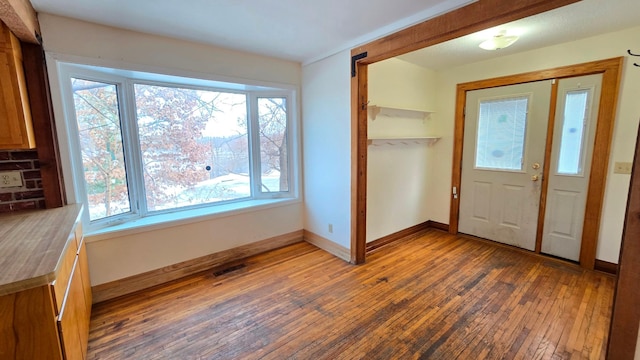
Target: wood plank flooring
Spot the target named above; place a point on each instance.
(433, 297)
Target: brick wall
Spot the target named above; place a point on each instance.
(30, 195)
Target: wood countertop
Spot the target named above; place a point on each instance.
(32, 244)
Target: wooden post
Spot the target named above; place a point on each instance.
(43, 124)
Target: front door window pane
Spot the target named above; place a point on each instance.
(99, 129)
(272, 121)
(573, 129)
(194, 146)
(502, 126)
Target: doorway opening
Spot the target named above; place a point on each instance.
(466, 20)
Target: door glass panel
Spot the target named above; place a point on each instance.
(570, 161)
(100, 135)
(502, 126)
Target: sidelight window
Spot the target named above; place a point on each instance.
(574, 128)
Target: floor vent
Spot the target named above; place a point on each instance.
(229, 269)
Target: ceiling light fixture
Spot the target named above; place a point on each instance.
(499, 41)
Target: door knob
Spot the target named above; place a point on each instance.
(535, 177)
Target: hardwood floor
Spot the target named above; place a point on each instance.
(432, 297)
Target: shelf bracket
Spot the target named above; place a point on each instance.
(355, 59)
(374, 111)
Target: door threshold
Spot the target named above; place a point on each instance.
(523, 251)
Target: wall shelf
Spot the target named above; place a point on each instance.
(429, 140)
(375, 110)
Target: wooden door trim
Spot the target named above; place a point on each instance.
(611, 72)
(623, 333)
(474, 17)
(359, 142)
(551, 122)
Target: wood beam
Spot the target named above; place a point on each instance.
(44, 124)
(21, 19)
(474, 17)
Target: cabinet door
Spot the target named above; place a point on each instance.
(71, 321)
(83, 266)
(16, 129)
(61, 284)
(28, 325)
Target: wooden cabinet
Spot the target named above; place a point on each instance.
(16, 129)
(74, 303)
(71, 320)
(73, 325)
(50, 321)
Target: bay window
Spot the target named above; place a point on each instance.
(144, 144)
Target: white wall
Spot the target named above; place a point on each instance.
(398, 83)
(595, 48)
(73, 37)
(117, 256)
(399, 174)
(326, 139)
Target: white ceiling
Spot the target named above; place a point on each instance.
(308, 30)
(579, 20)
(298, 30)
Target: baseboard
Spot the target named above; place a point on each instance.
(151, 278)
(327, 245)
(402, 234)
(438, 225)
(606, 267)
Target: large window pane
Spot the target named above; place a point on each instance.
(272, 121)
(502, 126)
(573, 130)
(100, 136)
(194, 146)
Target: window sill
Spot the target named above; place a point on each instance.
(167, 220)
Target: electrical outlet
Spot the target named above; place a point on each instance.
(330, 228)
(622, 168)
(10, 179)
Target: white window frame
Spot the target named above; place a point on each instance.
(124, 80)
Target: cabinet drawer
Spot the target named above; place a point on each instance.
(83, 265)
(61, 282)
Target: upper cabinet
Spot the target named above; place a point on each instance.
(16, 129)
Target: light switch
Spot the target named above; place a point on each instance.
(622, 168)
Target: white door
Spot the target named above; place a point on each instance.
(570, 166)
(504, 145)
